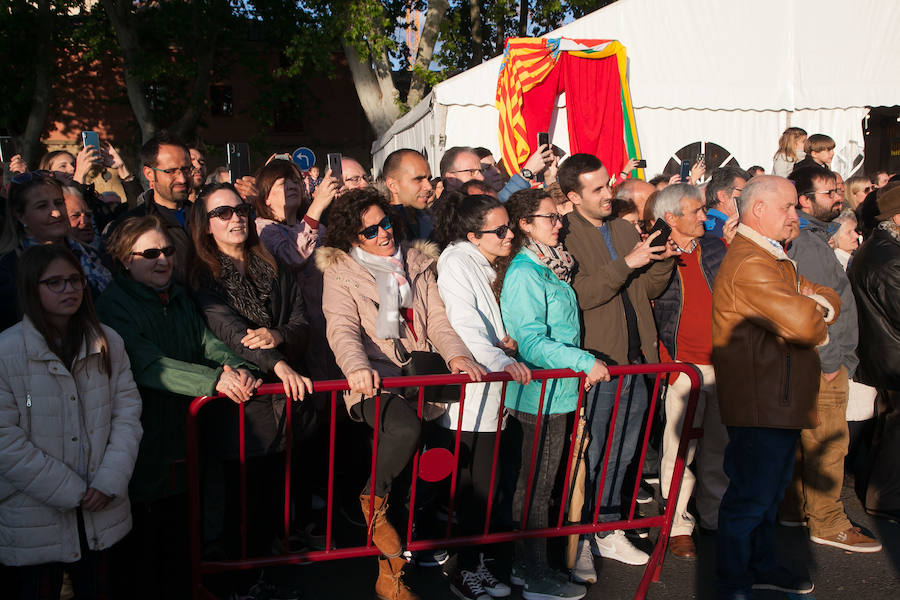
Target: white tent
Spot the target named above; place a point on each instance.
(730, 73)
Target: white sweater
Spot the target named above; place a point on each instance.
(45, 412)
(464, 281)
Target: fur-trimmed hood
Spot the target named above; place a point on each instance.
(420, 251)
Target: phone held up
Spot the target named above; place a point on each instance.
(664, 232)
(7, 149)
(238, 160)
(334, 164)
(685, 171)
(543, 139)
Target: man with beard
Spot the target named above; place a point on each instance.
(198, 171)
(814, 496)
(166, 164)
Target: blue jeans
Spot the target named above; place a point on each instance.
(626, 436)
(759, 462)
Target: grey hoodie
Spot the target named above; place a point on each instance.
(816, 261)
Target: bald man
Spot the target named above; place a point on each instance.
(637, 191)
(354, 175)
(767, 322)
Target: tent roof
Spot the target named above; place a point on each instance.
(709, 54)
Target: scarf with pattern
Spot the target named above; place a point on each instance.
(557, 259)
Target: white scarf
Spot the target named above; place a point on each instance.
(394, 290)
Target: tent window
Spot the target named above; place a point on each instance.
(715, 156)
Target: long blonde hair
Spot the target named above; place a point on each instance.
(787, 143)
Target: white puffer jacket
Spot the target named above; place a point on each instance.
(43, 410)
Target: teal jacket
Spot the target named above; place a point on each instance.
(541, 313)
(174, 357)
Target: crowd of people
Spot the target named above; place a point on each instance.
(780, 289)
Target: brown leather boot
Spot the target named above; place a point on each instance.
(389, 585)
(384, 536)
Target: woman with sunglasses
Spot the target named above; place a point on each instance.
(477, 233)
(541, 313)
(288, 225)
(36, 215)
(69, 429)
(175, 358)
(381, 303)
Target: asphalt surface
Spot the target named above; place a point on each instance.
(837, 574)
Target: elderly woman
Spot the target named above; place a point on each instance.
(541, 313)
(69, 429)
(381, 303)
(175, 358)
(37, 215)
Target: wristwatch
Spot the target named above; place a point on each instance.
(527, 174)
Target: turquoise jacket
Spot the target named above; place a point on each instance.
(541, 313)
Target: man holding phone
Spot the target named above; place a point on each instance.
(684, 319)
(722, 194)
(616, 277)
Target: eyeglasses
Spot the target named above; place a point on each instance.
(226, 212)
(471, 172)
(371, 232)
(153, 253)
(554, 218)
(58, 285)
(832, 193)
(868, 188)
(23, 178)
(356, 179)
(186, 171)
(500, 232)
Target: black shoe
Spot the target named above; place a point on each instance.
(783, 580)
(639, 532)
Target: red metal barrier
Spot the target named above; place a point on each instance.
(664, 521)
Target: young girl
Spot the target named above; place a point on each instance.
(790, 151)
(69, 429)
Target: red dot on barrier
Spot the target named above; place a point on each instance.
(435, 464)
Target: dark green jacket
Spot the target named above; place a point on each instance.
(174, 357)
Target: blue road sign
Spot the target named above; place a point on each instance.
(304, 158)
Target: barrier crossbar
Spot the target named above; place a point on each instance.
(200, 567)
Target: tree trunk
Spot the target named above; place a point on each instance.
(205, 51)
(375, 87)
(477, 33)
(119, 13)
(523, 18)
(29, 143)
(437, 10)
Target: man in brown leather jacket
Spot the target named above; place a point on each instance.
(767, 321)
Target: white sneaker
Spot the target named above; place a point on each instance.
(493, 586)
(617, 547)
(584, 571)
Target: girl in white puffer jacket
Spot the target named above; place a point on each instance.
(69, 431)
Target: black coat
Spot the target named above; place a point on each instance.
(875, 277)
(286, 309)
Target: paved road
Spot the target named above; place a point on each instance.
(838, 575)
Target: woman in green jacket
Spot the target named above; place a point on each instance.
(540, 311)
(174, 357)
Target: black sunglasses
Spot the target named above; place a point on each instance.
(371, 232)
(500, 232)
(226, 212)
(153, 253)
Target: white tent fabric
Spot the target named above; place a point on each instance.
(704, 70)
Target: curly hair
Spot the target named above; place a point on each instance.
(521, 205)
(346, 214)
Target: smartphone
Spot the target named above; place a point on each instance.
(663, 237)
(543, 139)
(334, 164)
(685, 171)
(286, 157)
(91, 138)
(238, 159)
(641, 164)
(7, 149)
(700, 158)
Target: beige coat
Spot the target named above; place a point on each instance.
(44, 411)
(349, 301)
